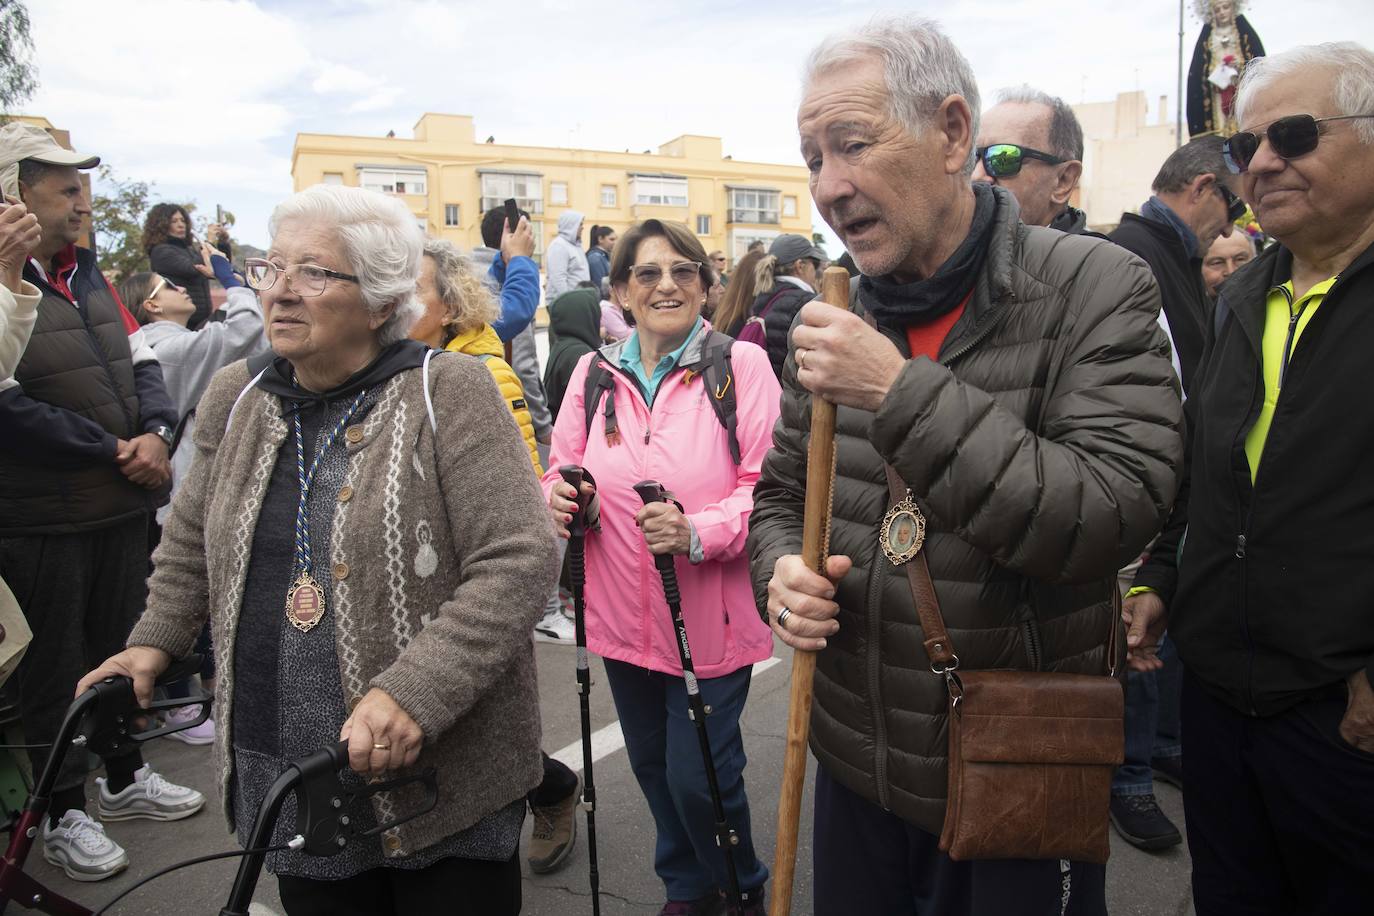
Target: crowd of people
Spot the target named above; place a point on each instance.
(335, 472)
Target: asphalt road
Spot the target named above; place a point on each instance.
(1138, 884)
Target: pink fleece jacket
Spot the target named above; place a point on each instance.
(681, 444)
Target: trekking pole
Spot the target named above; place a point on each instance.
(652, 492)
(577, 570)
(820, 480)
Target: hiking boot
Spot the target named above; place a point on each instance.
(555, 833)
(555, 628)
(197, 735)
(148, 796)
(1168, 769)
(79, 846)
(712, 904)
(1140, 822)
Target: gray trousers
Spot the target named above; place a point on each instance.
(81, 595)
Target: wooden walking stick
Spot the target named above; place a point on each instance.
(820, 479)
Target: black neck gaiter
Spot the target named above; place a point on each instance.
(900, 305)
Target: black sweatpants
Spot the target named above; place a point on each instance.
(81, 595)
(449, 887)
(867, 860)
(1280, 810)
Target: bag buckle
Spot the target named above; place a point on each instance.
(954, 686)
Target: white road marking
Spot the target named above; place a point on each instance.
(609, 738)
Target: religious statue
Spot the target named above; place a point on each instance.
(1226, 45)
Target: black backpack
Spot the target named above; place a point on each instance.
(716, 374)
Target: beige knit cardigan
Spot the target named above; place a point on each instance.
(448, 640)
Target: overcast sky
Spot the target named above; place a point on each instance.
(203, 98)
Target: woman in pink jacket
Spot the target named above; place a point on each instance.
(655, 421)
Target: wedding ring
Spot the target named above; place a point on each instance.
(381, 747)
(801, 353)
(782, 617)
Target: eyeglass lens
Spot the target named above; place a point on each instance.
(1002, 160)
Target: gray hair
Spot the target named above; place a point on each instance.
(381, 242)
(1352, 69)
(921, 68)
(1066, 135)
(466, 299)
(1196, 157)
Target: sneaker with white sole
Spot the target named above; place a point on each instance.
(555, 628)
(148, 796)
(201, 734)
(79, 846)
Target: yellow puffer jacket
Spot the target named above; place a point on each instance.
(483, 343)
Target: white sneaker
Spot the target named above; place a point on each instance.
(79, 846)
(555, 628)
(148, 796)
(204, 733)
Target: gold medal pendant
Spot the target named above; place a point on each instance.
(903, 532)
(305, 603)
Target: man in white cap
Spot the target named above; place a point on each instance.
(84, 436)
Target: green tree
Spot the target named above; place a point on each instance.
(18, 77)
(117, 215)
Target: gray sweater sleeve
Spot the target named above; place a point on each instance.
(189, 361)
(525, 362)
(504, 543)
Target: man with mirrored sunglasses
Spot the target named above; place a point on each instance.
(1272, 617)
(1011, 137)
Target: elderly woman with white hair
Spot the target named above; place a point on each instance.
(370, 572)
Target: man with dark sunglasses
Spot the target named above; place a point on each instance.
(1272, 617)
(1011, 139)
(1191, 207)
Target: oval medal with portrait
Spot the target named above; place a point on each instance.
(903, 531)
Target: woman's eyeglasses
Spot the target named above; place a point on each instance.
(301, 279)
(683, 273)
(1003, 160)
(1289, 138)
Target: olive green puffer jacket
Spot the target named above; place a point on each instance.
(1043, 447)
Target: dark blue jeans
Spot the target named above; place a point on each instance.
(666, 758)
(1151, 723)
(870, 861)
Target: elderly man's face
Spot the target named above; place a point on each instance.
(1037, 186)
(1224, 258)
(1318, 201)
(333, 328)
(887, 194)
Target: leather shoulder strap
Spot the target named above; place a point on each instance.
(938, 646)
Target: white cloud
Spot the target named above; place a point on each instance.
(205, 97)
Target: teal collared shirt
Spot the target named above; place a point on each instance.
(630, 361)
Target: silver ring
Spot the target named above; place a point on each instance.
(782, 617)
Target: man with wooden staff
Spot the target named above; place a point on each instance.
(1019, 386)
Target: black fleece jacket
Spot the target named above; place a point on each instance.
(1273, 605)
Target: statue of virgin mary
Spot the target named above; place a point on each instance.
(1226, 45)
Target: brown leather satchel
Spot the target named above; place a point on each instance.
(1031, 754)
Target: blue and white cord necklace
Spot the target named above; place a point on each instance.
(305, 599)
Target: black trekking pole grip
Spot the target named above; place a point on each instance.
(651, 491)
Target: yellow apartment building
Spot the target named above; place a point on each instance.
(449, 180)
